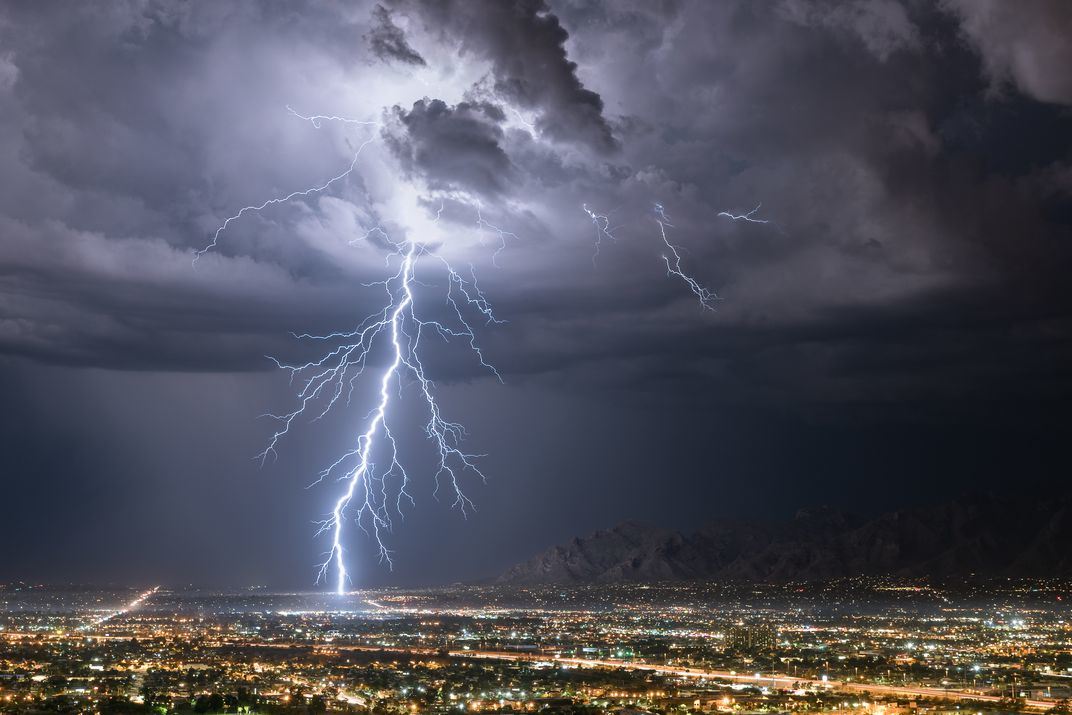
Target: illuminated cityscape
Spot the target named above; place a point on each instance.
(875, 646)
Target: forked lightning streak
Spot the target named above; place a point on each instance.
(371, 493)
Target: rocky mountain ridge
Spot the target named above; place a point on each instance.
(985, 535)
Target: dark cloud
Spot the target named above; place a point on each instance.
(389, 42)
(882, 26)
(1026, 44)
(452, 148)
(525, 43)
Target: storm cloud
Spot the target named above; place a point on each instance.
(904, 317)
(1026, 45)
(453, 148)
(525, 43)
(388, 41)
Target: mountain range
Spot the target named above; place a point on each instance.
(984, 535)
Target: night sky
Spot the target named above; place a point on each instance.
(900, 333)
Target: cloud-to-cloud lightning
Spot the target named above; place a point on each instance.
(604, 231)
(749, 216)
(706, 297)
(372, 490)
(672, 256)
(316, 120)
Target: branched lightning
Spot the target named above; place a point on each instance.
(374, 477)
(374, 490)
(673, 265)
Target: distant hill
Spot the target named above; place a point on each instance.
(985, 535)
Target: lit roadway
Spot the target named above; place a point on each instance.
(784, 682)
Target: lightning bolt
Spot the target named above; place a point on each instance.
(603, 229)
(745, 216)
(372, 492)
(502, 234)
(524, 122)
(706, 296)
(317, 121)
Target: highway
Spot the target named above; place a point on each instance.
(770, 679)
